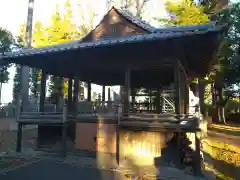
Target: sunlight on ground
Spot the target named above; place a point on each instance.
(221, 151)
(226, 127)
(216, 172)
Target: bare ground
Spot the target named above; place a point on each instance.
(8, 135)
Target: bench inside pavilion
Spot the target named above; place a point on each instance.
(123, 50)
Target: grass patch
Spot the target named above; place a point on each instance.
(218, 174)
(225, 127)
(222, 151)
(223, 159)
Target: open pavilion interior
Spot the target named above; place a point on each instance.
(123, 50)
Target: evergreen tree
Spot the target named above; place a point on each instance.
(6, 41)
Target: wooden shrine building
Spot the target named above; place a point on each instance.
(123, 50)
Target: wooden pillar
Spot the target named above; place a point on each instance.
(109, 93)
(64, 130)
(133, 92)
(162, 101)
(42, 91)
(177, 80)
(201, 88)
(89, 91)
(19, 138)
(42, 104)
(150, 99)
(158, 108)
(75, 94)
(24, 95)
(70, 99)
(117, 146)
(127, 86)
(186, 99)
(103, 94)
(198, 163)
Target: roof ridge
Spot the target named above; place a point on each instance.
(134, 19)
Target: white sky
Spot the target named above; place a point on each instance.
(13, 13)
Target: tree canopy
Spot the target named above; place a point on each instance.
(6, 41)
(225, 72)
(60, 29)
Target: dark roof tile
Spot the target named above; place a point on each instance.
(113, 41)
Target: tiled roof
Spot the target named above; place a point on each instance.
(135, 20)
(192, 30)
(143, 24)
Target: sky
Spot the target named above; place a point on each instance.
(13, 13)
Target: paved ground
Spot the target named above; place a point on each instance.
(50, 170)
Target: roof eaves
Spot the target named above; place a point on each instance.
(200, 27)
(105, 42)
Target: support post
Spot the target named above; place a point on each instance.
(103, 94)
(89, 91)
(133, 92)
(24, 88)
(42, 104)
(158, 108)
(197, 164)
(162, 101)
(109, 93)
(201, 87)
(127, 86)
(64, 130)
(42, 91)
(150, 100)
(70, 99)
(177, 87)
(75, 94)
(186, 100)
(19, 138)
(118, 146)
